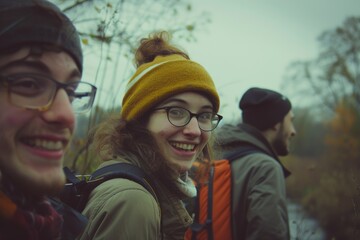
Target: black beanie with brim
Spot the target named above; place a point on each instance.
(26, 22)
(263, 108)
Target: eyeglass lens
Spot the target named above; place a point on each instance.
(180, 117)
(37, 92)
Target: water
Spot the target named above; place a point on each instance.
(303, 227)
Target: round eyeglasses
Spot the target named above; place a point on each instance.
(35, 91)
(179, 117)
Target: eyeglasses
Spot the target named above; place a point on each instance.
(180, 117)
(35, 91)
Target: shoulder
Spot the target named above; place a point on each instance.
(258, 159)
(257, 164)
(117, 203)
(227, 133)
(115, 191)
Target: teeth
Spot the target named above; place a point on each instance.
(184, 146)
(45, 144)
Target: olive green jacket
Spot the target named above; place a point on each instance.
(259, 209)
(123, 209)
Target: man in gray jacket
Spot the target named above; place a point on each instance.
(259, 200)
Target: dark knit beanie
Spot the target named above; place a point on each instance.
(263, 108)
(37, 21)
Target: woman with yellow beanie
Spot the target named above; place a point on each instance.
(168, 113)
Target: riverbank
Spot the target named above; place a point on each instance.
(303, 227)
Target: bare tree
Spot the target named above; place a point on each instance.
(334, 75)
(110, 31)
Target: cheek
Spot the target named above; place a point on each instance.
(18, 116)
(13, 120)
(158, 125)
(162, 132)
(10, 127)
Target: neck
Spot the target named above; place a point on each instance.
(270, 135)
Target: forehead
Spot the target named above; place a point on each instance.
(13, 56)
(42, 59)
(189, 98)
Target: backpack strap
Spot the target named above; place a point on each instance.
(196, 227)
(73, 190)
(117, 170)
(208, 222)
(127, 171)
(239, 152)
(76, 191)
(74, 222)
(123, 170)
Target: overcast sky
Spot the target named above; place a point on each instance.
(251, 42)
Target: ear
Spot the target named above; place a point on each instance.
(276, 127)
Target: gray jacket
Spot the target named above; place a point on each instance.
(259, 208)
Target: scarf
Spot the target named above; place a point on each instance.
(26, 218)
(186, 185)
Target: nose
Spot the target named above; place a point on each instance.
(60, 111)
(192, 128)
(293, 132)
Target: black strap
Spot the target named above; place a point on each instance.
(122, 170)
(73, 190)
(127, 171)
(74, 222)
(208, 222)
(70, 176)
(79, 190)
(239, 152)
(196, 227)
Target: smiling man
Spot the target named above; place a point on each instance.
(40, 92)
(259, 201)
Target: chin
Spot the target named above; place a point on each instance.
(44, 184)
(280, 147)
(182, 168)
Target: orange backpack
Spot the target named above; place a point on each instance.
(213, 208)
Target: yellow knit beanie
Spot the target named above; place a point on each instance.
(165, 76)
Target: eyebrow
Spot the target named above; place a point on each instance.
(37, 65)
